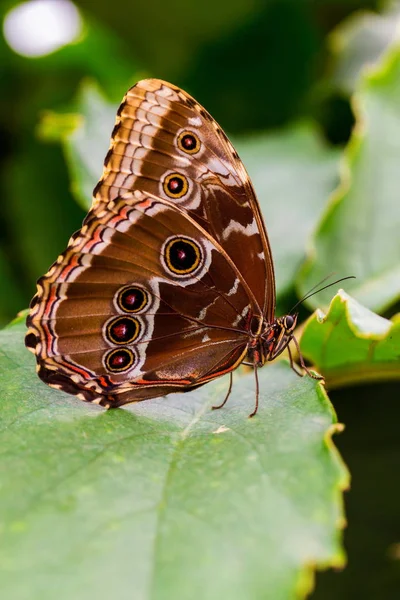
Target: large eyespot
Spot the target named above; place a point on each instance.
(175, 185)
(132, 299)
(123, 330)
(182, 255)
(119, 360)
(188, 142)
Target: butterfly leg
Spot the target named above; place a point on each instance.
(227, 395)
(302, 363)
(293, 365)
(257, 392)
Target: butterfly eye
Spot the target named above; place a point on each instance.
(188, 142)
(289, 322)
(119, 360)
(182, 255)
(175, 185)
(132, 299)
(123, 330)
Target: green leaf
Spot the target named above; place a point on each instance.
(39, 213)
(10, 292)
(359, 233)
(85, 134)
(350, 344)
(166, 499)
(276, 163)
(360, 42)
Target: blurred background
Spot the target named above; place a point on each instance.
(256, 65)
(273, 57)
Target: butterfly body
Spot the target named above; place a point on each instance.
(169, 283)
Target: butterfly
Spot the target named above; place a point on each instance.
(170, 282)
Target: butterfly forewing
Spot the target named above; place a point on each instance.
(165, 143)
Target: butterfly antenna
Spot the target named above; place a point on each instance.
(319, 283)
(313, 291)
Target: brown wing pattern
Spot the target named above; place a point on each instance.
(164, 286)
(142, 302)
(162, 132)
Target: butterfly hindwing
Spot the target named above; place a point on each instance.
(142, 300)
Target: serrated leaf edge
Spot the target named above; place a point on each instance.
(340, 377)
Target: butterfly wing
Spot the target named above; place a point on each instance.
(166, 144)
(143, 302)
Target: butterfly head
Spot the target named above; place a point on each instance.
(288, 323)
(278, 335)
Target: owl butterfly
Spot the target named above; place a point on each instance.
(170, 282)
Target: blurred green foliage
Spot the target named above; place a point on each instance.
(254, 65)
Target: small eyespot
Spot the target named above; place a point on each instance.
(132, 299)
(182, 255)
(119, 360)
(123, 330)
(175, 185)
(188, 142)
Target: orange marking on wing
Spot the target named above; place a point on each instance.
(49, 338)
(50, 301)
(121, 216)
(82, 371)
(95, 239)
(116, 220)
(162, 381)
(68, 268)
(145, 203)
(103, 382)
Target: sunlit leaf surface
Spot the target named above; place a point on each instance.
(351, 344)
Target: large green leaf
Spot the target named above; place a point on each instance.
(166, 499)
(359, 234)
(276, 163)
(351, 344)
